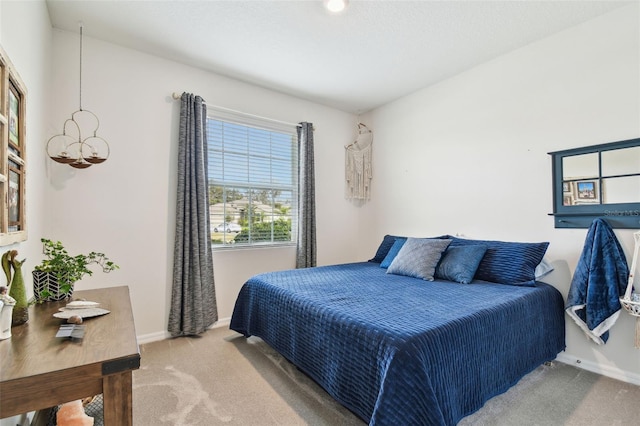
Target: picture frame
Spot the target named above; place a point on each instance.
(13, 161)
(14, 116)
(13, 199)
(567, 200)
(587, 191)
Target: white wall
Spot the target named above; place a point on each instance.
(469, 155)
(125, 207)
(25, 35)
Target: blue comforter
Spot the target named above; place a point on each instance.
(397, 350)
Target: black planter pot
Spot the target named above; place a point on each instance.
(46, 287)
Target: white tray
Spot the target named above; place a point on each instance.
(82, 313)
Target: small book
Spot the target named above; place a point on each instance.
(73, 331)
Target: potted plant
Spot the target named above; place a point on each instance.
(54, 278)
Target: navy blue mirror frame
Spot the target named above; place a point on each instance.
(619, 215)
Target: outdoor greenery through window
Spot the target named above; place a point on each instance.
(252, 180)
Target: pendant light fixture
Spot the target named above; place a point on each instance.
(70, 147)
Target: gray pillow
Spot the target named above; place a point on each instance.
(418, 258)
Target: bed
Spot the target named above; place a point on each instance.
(400, 349)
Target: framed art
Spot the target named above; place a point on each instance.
(14, 116)
(587, 190)
(13, 200)
(567, 200)
(13, 164)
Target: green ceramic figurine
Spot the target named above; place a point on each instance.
(16, 287)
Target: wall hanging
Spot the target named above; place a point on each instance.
(358, 169)
(70, 147)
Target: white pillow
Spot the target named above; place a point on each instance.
(543, 269)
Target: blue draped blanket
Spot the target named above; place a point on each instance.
(397, 350)
(600, 279)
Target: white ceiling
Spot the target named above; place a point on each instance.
(372, 53)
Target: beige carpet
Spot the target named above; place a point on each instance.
(221, 378)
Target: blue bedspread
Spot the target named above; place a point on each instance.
(403, 351)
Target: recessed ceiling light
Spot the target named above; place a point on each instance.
(335, 6)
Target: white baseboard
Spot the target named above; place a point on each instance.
(161, 335)
(153, 337)
(223, 322)
(614, 373)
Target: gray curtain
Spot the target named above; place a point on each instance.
(193, 298)
(306, 247)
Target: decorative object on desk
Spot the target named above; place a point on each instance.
(75, 311)
(81, 304)
(631, 301)
(6, 310)
(55, 277)
(74, 319)
(17, 291)
(79, 152)
(82, 313)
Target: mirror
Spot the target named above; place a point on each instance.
(580, 183)
(597, 181)
(581, 177)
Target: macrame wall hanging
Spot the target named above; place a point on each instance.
(358, 170)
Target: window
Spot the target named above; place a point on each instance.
(597, 181)
(12, 153)
(253, 169)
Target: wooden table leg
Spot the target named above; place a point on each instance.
(118, 401)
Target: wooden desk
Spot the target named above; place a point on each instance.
(38, 370)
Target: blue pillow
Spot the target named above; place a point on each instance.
(393, 252)
(418, 258)
(507, 262)
(384, 248)
(460, 263)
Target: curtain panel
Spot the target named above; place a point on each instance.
(306, 244)
(193, 300)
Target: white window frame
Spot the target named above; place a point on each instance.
(266, 125)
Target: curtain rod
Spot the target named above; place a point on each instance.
(176, 95)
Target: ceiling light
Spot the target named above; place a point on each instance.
(335, 6)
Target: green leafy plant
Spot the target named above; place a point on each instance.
(69, 269)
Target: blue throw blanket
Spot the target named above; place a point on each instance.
(598, 283)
